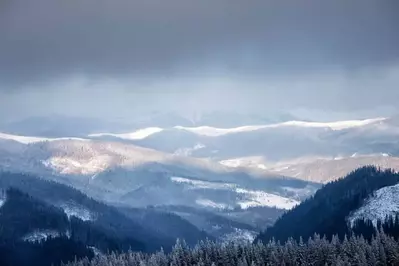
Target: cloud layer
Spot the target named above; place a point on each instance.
(321, 54)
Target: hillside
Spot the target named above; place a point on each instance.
(327, 212)
(119, 173)
(75, 206)
(324, 170)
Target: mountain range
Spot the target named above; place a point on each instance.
(170, 177)
(219, 181)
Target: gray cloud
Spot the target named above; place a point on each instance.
(283, 54)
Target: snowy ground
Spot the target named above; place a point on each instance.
(245, 198)
(77, 211)
(28, 139)
(385, 201)
(338, 125)
(136, 135)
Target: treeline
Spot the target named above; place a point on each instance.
(326, 212)
(367, 228)
(380, 250)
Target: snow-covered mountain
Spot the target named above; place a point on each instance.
(314, 151)
(211, 131)
(124, 173)
(206, 166)
(275, 142)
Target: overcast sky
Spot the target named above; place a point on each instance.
(118, 58)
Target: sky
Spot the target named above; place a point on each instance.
(121, 58)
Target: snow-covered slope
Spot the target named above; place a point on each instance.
(28, 139)
(75, 210)
(214, 131)
(243, 197)
(385, 201)
(136, 135)
(339, 125)
(137, 176)
(324, 170)
(93, 157)
(211, 131)
(315, 168)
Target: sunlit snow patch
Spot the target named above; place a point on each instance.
(215, 132)
(136, 135)
(29, 139)
(257, 198)
(338, 125)
(67, 165)
(385, 201)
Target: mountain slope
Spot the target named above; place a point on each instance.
(378, 206)
(324, 170)
(73, 203)
(328, 210)
(120, 171)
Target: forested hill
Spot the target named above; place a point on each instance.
(326, 212)
(121, 222)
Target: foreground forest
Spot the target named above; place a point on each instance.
(380, 250)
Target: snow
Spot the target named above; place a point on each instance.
(215, 132)
(250, 161)
(383, 202)
(29, 140)
(245, 198)
(72, 209)
(257, 198)
(212, 204)
(199, 184)
(136, 135)
(338, 125)
(189, 151)
(40, 235)
(66, 165)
